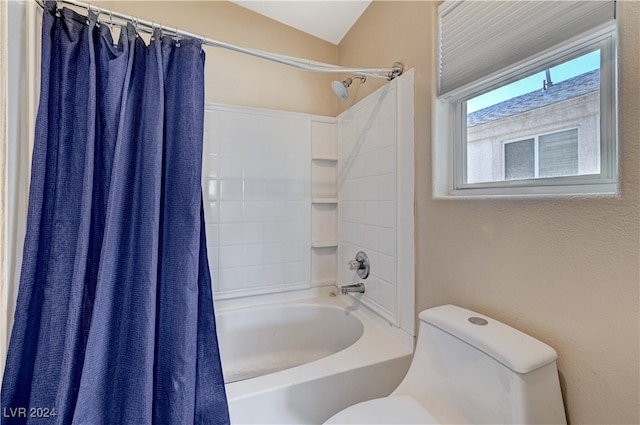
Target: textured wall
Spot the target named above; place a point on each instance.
(563, 270)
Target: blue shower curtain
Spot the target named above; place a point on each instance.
(115, 321)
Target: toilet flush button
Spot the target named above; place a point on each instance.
(478, 321)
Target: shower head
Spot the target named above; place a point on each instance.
(341, 88)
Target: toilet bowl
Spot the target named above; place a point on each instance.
(469, 368)
(399, 409)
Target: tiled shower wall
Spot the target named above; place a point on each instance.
(376, 200)
(367, 186)
(256, 174)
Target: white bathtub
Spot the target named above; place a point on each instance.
(300, 362)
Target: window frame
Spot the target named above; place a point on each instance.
(604, 183)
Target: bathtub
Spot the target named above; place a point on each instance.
(299, 362)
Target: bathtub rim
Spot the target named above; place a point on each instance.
(376, 342)
(353, 300)
(269, 313)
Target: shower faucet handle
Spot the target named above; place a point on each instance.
(360, 265)
(355, 265)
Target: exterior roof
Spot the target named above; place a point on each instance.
(573, 87)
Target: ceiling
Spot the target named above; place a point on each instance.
(329, 20)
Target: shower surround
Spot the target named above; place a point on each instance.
(291, 197)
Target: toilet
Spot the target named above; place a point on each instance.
(471, 369)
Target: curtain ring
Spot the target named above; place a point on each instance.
(111, 28)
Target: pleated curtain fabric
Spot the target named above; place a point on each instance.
(115, 320)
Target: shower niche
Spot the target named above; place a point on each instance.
(324, 201)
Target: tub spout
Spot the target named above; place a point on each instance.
(358, 288)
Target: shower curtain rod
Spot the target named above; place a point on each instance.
(142, 25)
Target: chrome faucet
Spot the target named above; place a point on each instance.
(360, 265)
(357, 288)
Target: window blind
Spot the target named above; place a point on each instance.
(519, 160)
(480, 38)
(558, 154)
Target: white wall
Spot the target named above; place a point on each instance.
(23, 84)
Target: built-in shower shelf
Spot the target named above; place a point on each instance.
(324, 244)
(323, 165)
(324, 200)
(325, 158)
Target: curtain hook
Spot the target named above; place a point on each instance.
(203, 42)
(177, 38)
(89, 11)
(111, 20)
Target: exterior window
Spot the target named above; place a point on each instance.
(531, 111)
(568, 93)
(549, 155)
(519, 160)
(558, 154)
(551, 127)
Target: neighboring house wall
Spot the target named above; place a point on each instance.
(484, 142)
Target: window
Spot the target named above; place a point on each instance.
(529, 117)
(548, 155)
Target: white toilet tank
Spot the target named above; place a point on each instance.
(469, 368)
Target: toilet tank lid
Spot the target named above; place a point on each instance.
(516, 350)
